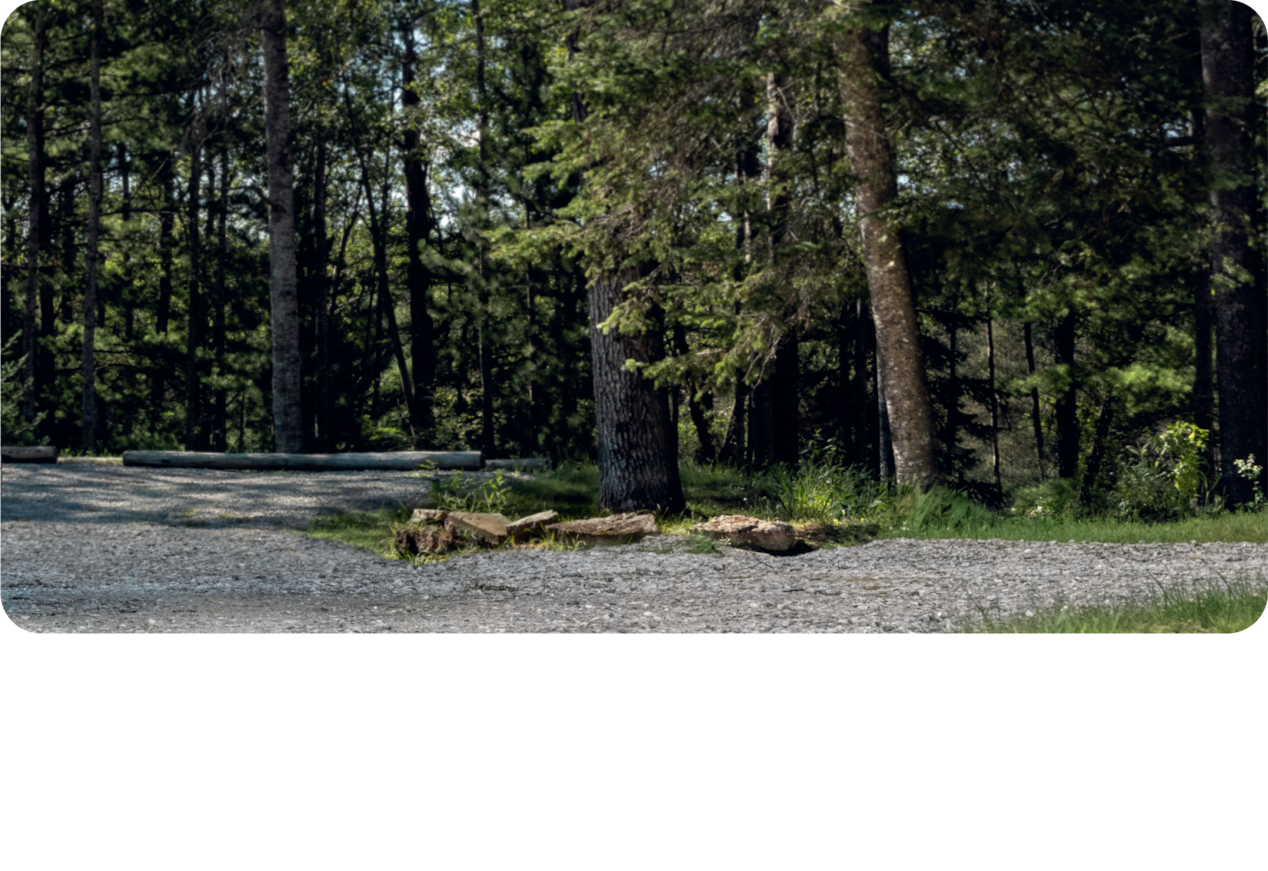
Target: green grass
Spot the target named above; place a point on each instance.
(1201, 609)
(371, 530)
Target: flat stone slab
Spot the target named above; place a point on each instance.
(617, 529)
(428, 515)
(749, 532)
(531, 526)
(490, 528)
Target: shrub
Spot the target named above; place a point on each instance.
(1056, 498)
(12, 390)
(1162, 478)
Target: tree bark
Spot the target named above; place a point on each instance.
(906, 391)
(1067, 403)
(288, 420)
(865, 438)
(88, 366)
(1096, 453)
(36, 223)
(636, 467)
(1241, 309)
(637, 470)
(884, 437)
(417, 230)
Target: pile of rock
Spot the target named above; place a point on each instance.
(435, 531)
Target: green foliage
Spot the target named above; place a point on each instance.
(15, 430)
(1162, 477)
(1054, 498)
(456, 492)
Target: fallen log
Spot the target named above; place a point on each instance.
(46, 454)
(526, 463)
(395, 461)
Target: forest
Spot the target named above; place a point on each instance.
(988, 244)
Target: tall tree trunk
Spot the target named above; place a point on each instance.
(36, 223)
(953, 400)
(167, 221)
(845, 331)
(990, 374)
(88, 368)
(1067, 402)
(219, 339)
(484, 339)
(125, 172)
(884, 436)
(288, 419)
(785, 394)
(1096, 453)
(197, 318)
(775, 397)
(865, 438)
(1241, 308)
(636, 468)
(321, 286)
(736, 442)
(10, 270)
(1035, 420)
(417, 229)
(864, 56)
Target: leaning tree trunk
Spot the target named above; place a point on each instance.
(288, 418)
(1241, 309)
(637, 466)
(88, 366)
(35, 167)
(871, 155)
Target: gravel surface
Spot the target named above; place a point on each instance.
(113, 549)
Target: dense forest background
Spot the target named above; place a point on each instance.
(466, 174)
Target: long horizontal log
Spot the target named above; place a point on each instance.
(47, 454)
(402, 461)
(525, 463)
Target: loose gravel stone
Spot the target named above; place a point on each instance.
(88, 555)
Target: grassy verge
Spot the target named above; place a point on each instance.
(817, 502)
(1201, 609)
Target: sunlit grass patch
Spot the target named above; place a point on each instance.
(372, 530)
(1199, 607)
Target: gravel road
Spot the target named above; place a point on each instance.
(98, 548)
